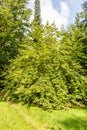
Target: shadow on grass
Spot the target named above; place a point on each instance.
(71, 121)
(73, 124)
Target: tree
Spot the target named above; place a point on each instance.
(14, 25)
(81, 18)
(83, 14)
(36, 27)
(37, 17)
(81, 25)
(76, 80)
(47, 71)
(48, 76)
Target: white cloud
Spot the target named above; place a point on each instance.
(49, 13)
(64, 10)
(73, 1)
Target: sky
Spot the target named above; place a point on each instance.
(62, 12)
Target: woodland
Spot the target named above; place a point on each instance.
(41, 65)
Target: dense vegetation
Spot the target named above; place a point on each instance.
(40, 65)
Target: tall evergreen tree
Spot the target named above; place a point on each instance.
(83, 14)
(81, 18)
(14, 24)
(48, 76)
(37, 16)
(81, 25)
(37, 28)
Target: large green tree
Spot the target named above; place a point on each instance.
(48, 71)
(83, 14)
(37, 15)
(81, 25)
(48, 76)
(37, 27)
(14, 25)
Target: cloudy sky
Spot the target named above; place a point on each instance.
(60, 11)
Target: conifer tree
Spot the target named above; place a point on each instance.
(81, 26)
(36, 25)
(14, 25)
(83, 14)
(37, 17)
(81, 18)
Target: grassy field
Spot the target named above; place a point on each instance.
(18, 117)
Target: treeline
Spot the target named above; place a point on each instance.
(40, 65)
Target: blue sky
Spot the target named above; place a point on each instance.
(59, 11)
(73, 5)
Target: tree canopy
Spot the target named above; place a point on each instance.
(45, 67)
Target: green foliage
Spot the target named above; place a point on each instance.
(50, 68)
(83, 14)
(14, 24)
(37, 17)
(82, 22)
(47, 73)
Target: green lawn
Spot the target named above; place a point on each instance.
(11, 119)
(18, 117)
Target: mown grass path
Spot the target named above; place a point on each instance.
(13, 118)
(19, 117)
(36, 125)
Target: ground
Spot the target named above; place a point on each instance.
(19, 117)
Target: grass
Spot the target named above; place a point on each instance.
(11, 119)
(18, 117)
(73, 119)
